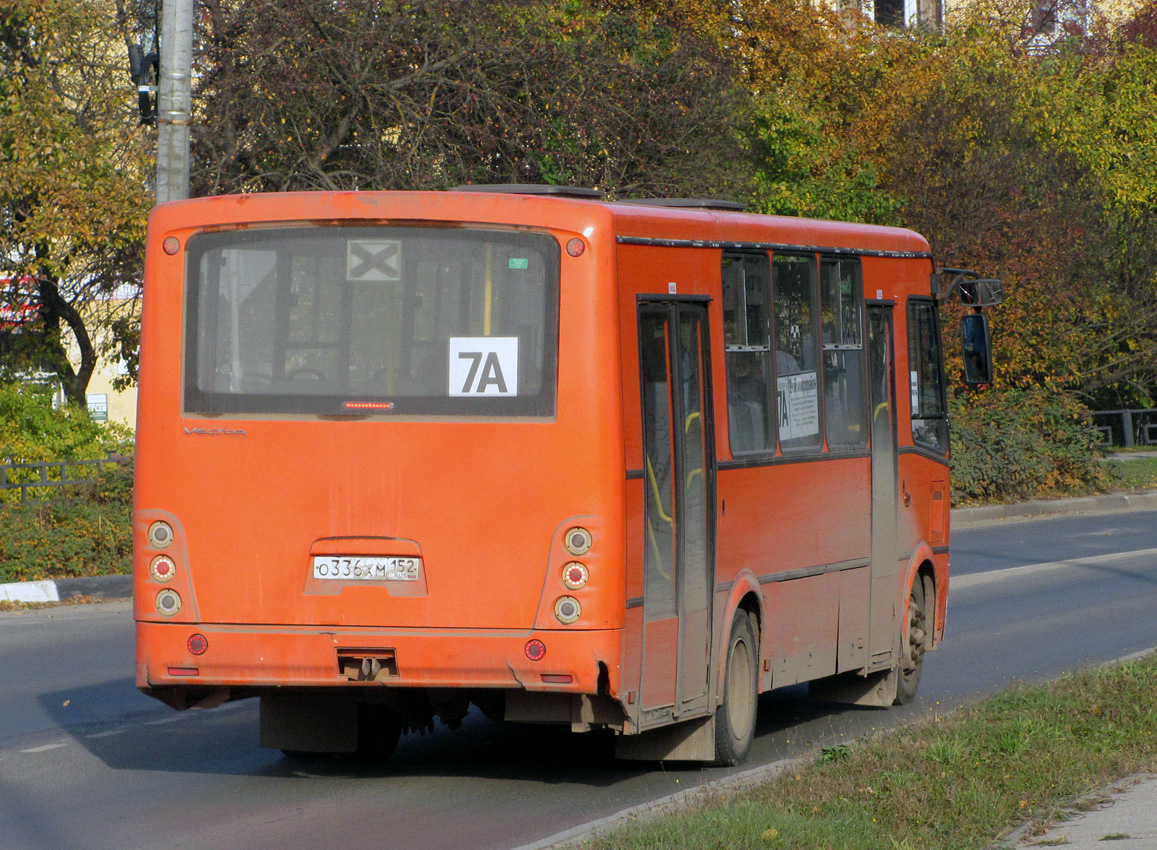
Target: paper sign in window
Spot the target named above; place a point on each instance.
(484, 366)
(799, 408)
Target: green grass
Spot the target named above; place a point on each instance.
(1140, 474)
(955, 781)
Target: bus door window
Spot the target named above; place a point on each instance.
(926, 377)
(841, 310)
(794, 287)
(679, 487)
(882, 634)
(747, 339)
(659, 472)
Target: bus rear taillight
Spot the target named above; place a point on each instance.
(162, 568)
(567, 609)
(160, 534)
(578, 541)
(575, 575)
(197, 644)
(535, 650)
(168, 602)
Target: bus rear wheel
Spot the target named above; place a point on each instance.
(379, 729)
(735, 718)
(912, 659)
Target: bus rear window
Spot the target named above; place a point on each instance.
(418, 321)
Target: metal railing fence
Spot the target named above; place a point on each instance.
(1127, 428)
(48, 474)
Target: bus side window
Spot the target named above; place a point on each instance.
(926, 377)
(747, 343)
(797, 377)
(841, 311)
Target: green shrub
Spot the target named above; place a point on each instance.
(31, 429)
(81, 530)
(1010, 445)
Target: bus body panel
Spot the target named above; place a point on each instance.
(486, 502)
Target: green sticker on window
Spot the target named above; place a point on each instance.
(519, 263)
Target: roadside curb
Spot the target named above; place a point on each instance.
(1109, 503)
(98, 587)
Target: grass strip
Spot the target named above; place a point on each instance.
(1136, 474)
(960, 780)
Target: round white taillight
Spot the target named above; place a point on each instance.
(160, 534)
(567, 609)
(578, 541)
(168, 602)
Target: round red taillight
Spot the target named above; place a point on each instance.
(575, 575)
(198, 644)
(162, 568)
(576, 247)
(171, 245)
(535, 650)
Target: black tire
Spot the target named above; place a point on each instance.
(912, 656)
(735, 718)
(379, 729)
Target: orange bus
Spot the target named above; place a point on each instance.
(610, 465)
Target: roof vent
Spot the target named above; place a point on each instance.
(689, 203)
(532, 189)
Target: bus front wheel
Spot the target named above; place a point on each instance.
(735, 718)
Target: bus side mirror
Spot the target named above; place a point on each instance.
(984, 292)
(977, 349)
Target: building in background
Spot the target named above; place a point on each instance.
(105, 403)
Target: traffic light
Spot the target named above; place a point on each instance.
(144, 68)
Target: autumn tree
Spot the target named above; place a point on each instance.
(370, 94)
(73, 184)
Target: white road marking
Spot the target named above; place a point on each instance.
(45, 748)
(1110, 560)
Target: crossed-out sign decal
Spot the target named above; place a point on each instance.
(375, 260)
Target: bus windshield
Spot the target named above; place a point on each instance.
(355, 320)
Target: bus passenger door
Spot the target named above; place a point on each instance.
(882, 632)
(679, 509)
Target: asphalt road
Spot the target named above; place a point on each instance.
(87, 762)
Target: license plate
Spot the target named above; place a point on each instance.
(366, 569)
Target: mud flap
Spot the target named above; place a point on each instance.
(876, 689)
(691, 740)
(309, 724)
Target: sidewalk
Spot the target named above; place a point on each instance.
(1109, 503)
(1124, 819)
(98, 587)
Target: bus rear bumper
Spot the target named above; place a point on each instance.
(256, 658)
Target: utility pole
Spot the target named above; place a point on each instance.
(174, 100)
